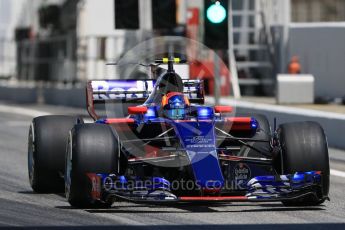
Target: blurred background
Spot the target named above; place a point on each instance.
(68, 42)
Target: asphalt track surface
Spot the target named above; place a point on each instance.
(21, 208)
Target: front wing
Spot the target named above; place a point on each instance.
(156, 189)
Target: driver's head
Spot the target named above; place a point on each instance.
(174, 105)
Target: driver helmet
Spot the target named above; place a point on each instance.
(174, 105)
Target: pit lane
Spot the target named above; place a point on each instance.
(21, 207)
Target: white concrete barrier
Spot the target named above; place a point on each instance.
(295, 89)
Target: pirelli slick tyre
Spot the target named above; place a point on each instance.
(47, 141)
(304, 148)
(92, 148)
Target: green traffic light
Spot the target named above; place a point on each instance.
(216, 13)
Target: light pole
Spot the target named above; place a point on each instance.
(232, 61)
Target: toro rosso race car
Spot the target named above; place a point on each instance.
(170, 147)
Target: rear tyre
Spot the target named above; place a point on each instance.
(304, 148)
(92, 148)
(46, 152)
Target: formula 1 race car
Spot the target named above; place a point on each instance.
(170, 147)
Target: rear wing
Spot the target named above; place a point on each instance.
(134, 91)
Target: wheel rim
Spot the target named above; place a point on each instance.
(68, 169)
(31, 159)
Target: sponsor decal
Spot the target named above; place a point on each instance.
(96, 186)
(199, 142)
(242, 175)
(118, 89)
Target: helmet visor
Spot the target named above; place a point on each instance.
(175, 114)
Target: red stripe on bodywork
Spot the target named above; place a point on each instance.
(239, 123)
(243, 120)
(119, 120)
(222, 109)
(213, 198)
(137, 110)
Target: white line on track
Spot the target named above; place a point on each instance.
(36, 113)
(17, 123)
(337, 173)
(22, 111)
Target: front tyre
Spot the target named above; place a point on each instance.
(304, 148)
(46, 152)
(92, 148)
